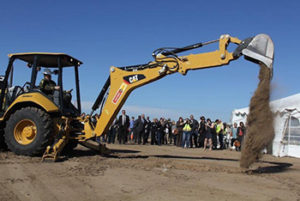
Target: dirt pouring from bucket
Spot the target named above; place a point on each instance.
(260, 131)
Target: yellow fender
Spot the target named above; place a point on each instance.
(31, 99)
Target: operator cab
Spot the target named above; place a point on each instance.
(57, 64)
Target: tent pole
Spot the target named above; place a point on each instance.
(289, 136)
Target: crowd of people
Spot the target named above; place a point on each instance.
(185, 133)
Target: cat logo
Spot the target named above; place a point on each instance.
(119, 93)
(133, 78)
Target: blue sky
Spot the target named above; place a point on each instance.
(105, 33)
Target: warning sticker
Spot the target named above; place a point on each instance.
(119, 93)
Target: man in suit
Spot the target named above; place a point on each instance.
(140, 128)
(147, 130)
(124, 123)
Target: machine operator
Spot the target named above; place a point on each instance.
(47, 85)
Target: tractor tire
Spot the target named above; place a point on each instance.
(3, 146)
(29, 131)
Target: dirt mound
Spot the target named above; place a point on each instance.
(260, 131)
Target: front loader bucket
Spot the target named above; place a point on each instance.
(259, 49)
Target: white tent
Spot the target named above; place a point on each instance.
(286, 125)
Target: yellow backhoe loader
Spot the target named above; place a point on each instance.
(33, 123)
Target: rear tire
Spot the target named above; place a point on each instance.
(3, 146)
(28, 131)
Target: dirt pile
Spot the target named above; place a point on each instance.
(260, 131)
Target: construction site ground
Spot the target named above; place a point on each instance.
(137, 172)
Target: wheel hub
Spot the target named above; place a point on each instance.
(29, 131)
(25, 132)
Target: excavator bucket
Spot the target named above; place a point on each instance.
(259, 49)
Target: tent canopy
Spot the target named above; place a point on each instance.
(286, 125)
(283, 105)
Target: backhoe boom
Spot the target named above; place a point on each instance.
(122, 81)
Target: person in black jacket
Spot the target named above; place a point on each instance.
(179, 127)
(154, 128)
(140, 128)
(147, 129)
(208, 135)
(241, 132)
(124, 123)
(202, 131)
(160, 131)
(113, 129)
(194, 133)
(168, 131)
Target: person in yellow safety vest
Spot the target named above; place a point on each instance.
(219, 131)
(187, 128)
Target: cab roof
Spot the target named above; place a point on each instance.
(46, 59)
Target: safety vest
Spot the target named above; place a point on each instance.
(187, 127)
(218, 129)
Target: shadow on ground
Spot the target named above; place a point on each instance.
(275, 167)
(123, 151)
(89, 152)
